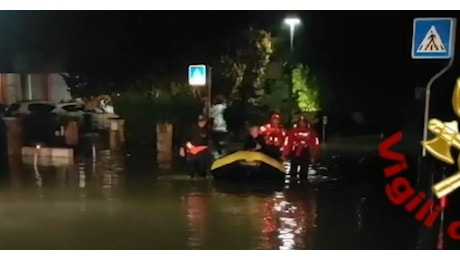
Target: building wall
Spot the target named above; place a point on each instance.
(58, 89)
(37, 87)
(16, 87)
(11, 87)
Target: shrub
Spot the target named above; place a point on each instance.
(142, 110)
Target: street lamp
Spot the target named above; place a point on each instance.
(292, 22)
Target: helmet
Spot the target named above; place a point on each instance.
(275, 116)
(301, 118)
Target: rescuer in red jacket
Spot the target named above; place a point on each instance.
(274, 136)
(301, 146)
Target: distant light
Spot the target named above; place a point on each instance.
(292, 21)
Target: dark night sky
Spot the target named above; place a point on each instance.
(358, 51)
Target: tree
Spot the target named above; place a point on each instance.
(93, 84)
(305, 89)
(144, 107)
(277, 96)
(245, 69)
(305, 92)
(77, 85)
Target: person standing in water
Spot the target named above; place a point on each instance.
(301, 147)
(196, 148)
(219, 125)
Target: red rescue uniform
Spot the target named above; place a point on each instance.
(273, 135)
(300, 140)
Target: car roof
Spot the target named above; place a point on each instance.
(34, 102)
(70, 103)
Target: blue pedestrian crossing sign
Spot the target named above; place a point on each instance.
(433, 38)
(197, 75)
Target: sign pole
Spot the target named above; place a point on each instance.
(209, 84)
(432, 80)
(324, 134)
(427, 100)
(324, 129)
(433, 38)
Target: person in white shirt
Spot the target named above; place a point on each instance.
(219, 125)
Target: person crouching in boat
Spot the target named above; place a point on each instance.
(301, 147)
(254, 141)
(274, 136)
(196, 148)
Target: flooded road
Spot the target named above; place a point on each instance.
(112, 206)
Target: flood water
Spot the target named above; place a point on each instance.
(110, 205)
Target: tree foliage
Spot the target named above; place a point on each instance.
(305, 89)
(245, 68)
(144, 107)
(277, 97)
(245, 73)
(78, 85)
(94, 84)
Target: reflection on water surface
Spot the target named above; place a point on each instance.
(107, 205)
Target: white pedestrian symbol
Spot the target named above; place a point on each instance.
(432, 42)
(197, 78)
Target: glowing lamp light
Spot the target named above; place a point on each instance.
(292, 21)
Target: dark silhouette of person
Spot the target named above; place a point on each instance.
(196, 148)
(254, 141)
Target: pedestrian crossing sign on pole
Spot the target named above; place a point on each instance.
(433, 38)
(197, 75)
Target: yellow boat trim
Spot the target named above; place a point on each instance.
(249, 157)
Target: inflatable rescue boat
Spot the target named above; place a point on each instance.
(247, 166)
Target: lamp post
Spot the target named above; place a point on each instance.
(292, 22)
